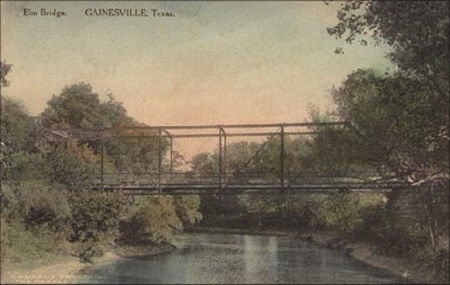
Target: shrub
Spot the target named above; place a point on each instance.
(374, 224)
(342, 212)
(403, 239)
(187, 209)
(154, 220)
(95, 215)
(46, 208)
(72, 165)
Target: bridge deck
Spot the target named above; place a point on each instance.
(208, 189)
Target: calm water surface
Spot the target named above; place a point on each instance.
(229, 258)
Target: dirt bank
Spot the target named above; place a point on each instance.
(62, 273)
(71, 269)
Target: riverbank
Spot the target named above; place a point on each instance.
(361, 251)
(71, 269)
(63, 272)
(407, 268)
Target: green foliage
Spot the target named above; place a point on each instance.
(403, 118)
(36, 203)
(72, 165)
(404, 115)
(186, 208)
(48, 207)
(137, 155)
(44, 208)
(33, 224)
(402, 239)
(26, 249)
(343, 212)
(5, 68)
(16, 138)
(205, 163)
(78, 106)
(417, 31)
(308, 212)
(152, 220)
(375, 223)
(16, 125)
(95, 215)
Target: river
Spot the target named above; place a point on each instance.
(239, 259)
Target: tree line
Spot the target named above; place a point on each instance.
(47, 195)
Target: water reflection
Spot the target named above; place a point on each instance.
(239, 259)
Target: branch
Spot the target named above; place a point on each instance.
(434, 177)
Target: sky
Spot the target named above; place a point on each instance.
(210, 63)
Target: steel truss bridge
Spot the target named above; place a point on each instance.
(163, 179)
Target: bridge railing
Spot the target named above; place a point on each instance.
(156, 180)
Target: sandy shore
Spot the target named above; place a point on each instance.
(71, 270)
(62, 273)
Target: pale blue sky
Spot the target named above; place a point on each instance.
(213, 63)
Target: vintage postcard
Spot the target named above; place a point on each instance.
(234, 142)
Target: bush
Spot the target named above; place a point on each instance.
(46, 209)
(36, 204)
(72, 165)
(343, 212)
(26, 249)
(374, 224)
(153, 220)
(187, 209)
(402, 239)
(95, 215)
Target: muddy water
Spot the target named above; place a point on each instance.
(241, 259)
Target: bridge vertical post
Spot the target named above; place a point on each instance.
(159, 160)
(171, 157)
(220, 158)
(171, 152)
(101, 164)
(224, 156)
(282, 157)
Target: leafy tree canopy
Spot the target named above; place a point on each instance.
(417, 30)
(403, 116)
(78, 106)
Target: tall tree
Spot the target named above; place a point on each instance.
(409, 110)
(79, 107)
(405, 115)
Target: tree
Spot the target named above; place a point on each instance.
(404, 115)
(187, 208)
(399, 120)
(5, 69)
(79, 107)
(417, 30)
(153, 220)
(16, 125)
(418, 33)
(94, 221)
(17, 138)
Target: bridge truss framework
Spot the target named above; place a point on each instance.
(221, 182)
